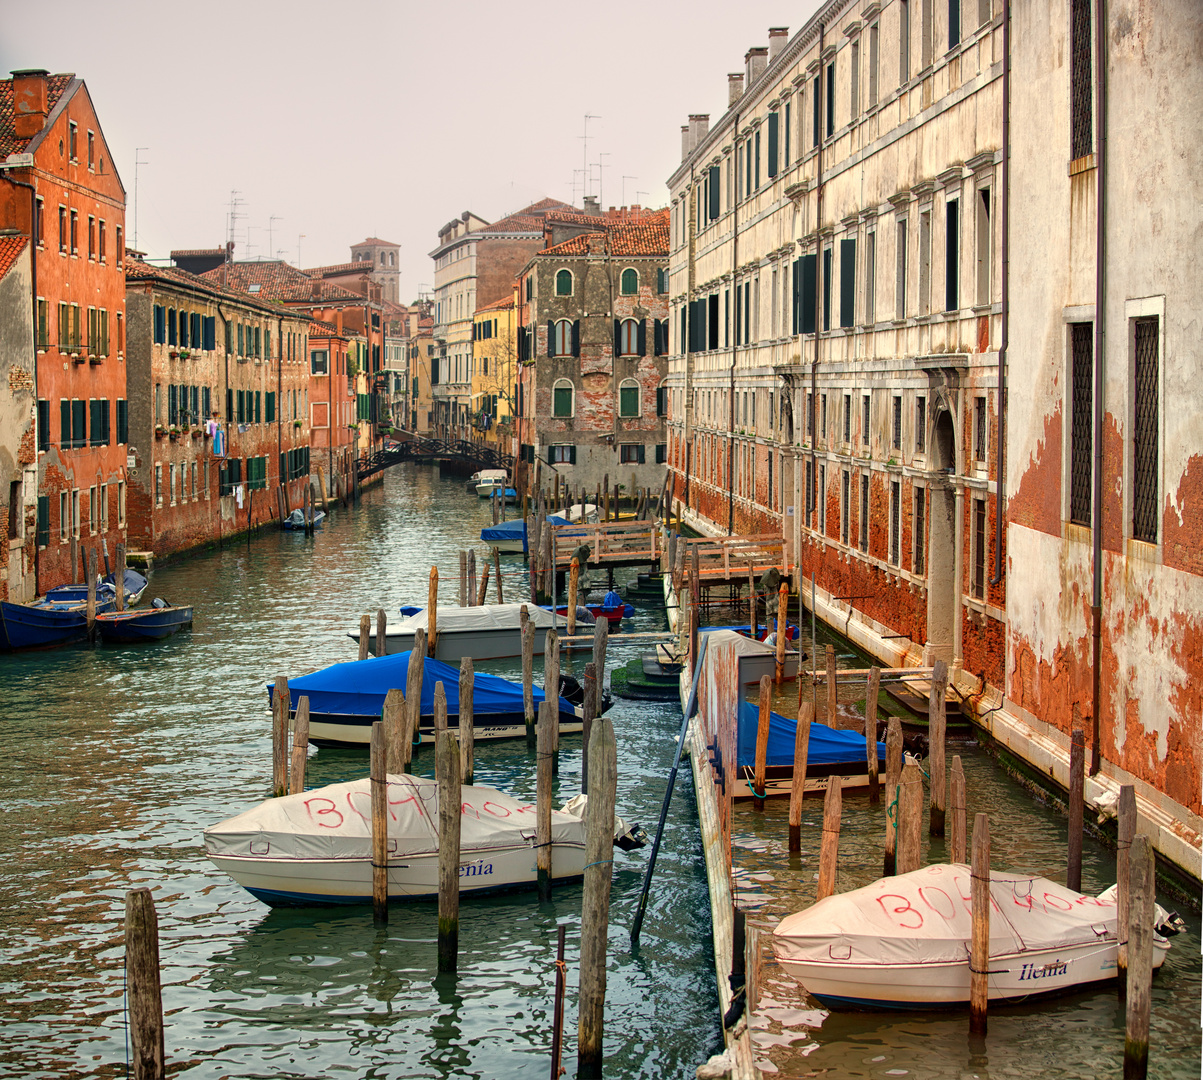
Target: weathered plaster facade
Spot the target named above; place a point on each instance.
(18, 422)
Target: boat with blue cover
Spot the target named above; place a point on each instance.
(295, 522)
(345, 699)
(831, 752)
(154, 623)
(510, 536)
(135, 585)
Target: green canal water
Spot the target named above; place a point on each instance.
(117, 759)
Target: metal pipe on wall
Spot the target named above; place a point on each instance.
(1000, 448)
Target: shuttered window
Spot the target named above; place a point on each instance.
(43, 424)
(628, 398)
(952, 257)
(122, 421)
(807, 290)
(772, 162)
(847, 283)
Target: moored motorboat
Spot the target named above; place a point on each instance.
(483, 632)
(613, 615)
(45, 624)
(295, 522)
(510, 536)
(154, 623)
(903, 942)
(345, 699)
(758, 658)
(316, 847)
(491, 480)
(135, 586)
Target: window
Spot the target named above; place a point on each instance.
(91, 237)
(866, 410)
(121, 502)
(104, 247)
(630, 332)
(64, 518)
(900, 278)
(43, 323)
(563, 283)
(870, 279)
(920, 529)
(831, 99)
(788, 111)
(630, 282)
(823, 498)
(661, 280)
(120, 249)
(194, 479)
(979, 429)
(74, 232)
(661, 453)
(920, 424)
(39, 222)
(159, 484)
(91, 150)
(561, 455)
(847, 417)
(954, 23)
(847, 283)
(630, 454)
(873, 48)
(925, 33)
(897, 426)
(816, 101)
(952, 257)
(925, 262)
(43, 424)
(62, 228)
(982, 244)
(810, 490)
(854, 81)
(904, 42)
(1081, 81)
(104, 507)
(979, 548)
(1082, 423)
(628, 398)
(895, 529)
(864, 512)
(319, 361)
(1145, 429)
(72, 141)
(845, 495)
(42, 538)
(563, 338)
(562, 398)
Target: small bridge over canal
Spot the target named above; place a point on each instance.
(471, 456)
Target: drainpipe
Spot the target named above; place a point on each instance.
(1100, 352)
(814, 367)
(734, 344)
(1000, 446)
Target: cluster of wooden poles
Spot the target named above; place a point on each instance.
(904, 782)
(90, 572)
(472, 594)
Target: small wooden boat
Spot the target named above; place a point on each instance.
(316, 847)
(483, 476)
(904, 942)
(135, 585)
(613, 615)
(45, 624)
(154, 623)
(295, 522)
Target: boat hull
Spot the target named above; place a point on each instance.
(944, 985)
(346, 730)
(779, 780)
(43, 626)
(303, 882)
(149, 625)
(453, 646)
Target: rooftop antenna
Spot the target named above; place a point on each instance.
(601, 176)
(300, 237)
(638, 193)
(137, 161)
(233, 215)
(585, 154)
(270, 248)
(624, 187)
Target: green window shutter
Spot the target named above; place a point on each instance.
(576, 337)
(43, 424)
(847, 282)
(809, 267)
(572, 455)
(79, 419)
(714, 188)
(240, 352)
(772, 162)
(43, 533)
(64, 438)
(229, 405)
(258, 407)
(640, 453)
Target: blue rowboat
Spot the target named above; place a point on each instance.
(45, 623)
(147, 624)
(135, 583)
(511, 535)
(295, 522)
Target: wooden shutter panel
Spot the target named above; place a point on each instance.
(643, 337)
(797, 306)
(551, 455)
(229, 405)
(64, 423)
(617, 337)
(847, 282)
(639, 454)
(576, 337)
(551, 338)
(79, 420)
(808, 293)
(772, 163)
(572, 455)
(713, 208)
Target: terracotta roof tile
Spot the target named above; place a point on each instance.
(10, 249)
(321, 328)
(197, 253)
(339, 269)
(375, 240)
(648, 237)
(503, 304)
(529, 218)
(208, 282)
(277, 280)
(10, 142)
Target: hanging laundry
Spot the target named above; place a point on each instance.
(219, 443)
(238, 496)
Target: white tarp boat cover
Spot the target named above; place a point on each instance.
(335, 822)
(455, 620)
(925, 917)
(736, 643)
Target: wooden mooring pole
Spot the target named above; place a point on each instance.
(871, 693)
(1142, 883)
(381, 626)
(119, 577)
(574, 575)
(440, 709)
(482, 593)
(806, 714)
(595, 903)
(1125, 813)
(979, 955)
(142, 978)
(910, 818)
(467, 723)
(447, 770)
(528, 658)
(1077, 780)
(281, 703)
(300, 747)
(601, 636)
(588, 715)
(393, 717)
(365, 634)
(432, 613)
(414, 675)
(762, 742)
(471, 577)
(551, 691)
(543, 781)
(557, 1026)
(379, 786)
(832, 688)
(829, 853)
(957, 800)
(893, 776)
(782, 630)
(463, 578)
(937, 734)
(91, 609)
(497, 574)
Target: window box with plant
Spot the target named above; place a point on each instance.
(296, 423)
(160, 431)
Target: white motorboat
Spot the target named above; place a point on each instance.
(316, 847)
(484, 632)
(491, 480)
(476, 478)
(903, 942)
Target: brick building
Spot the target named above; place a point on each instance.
(332, 401)
(475, 264)
(382, 257)
(218, 386)
(593, 353)
(19, 512)
(59, 186)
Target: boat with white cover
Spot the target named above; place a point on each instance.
(484, 632)
(316, 847)
(903, 942)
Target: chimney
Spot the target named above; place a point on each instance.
(29, 101)
(778, 36)
(684, 141)
(756, 60)
(591, 205)
(699, 127)
(735, 87)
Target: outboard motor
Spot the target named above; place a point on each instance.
(571, 690)
(158, 603)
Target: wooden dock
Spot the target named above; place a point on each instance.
(612, 544)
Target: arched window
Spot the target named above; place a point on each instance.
(630, 281)
(561, 398)
(628, 338)
(563, 283)
(628, 398)
(392, 258)
(563, 342)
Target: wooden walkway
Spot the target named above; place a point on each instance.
(728, 560)
(612, 544)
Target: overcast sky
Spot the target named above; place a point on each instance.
(352, 119)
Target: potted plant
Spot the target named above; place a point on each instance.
(297, 422)
(173, 353)
(160, 431)
(183, 354)
(197, 432)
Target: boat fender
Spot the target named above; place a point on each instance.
(635, 837)
(736, 1009)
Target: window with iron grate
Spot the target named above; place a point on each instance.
(920, 529)
(897, 422)
(1144, 431)
(845, 507)
(1081, 81)
(1081, 439)
(979, 429)
(979, 548)
(920, 424)
(864, 512)
(895, 530)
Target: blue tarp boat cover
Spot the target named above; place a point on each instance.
(357, 688)
(827, 746)
(513, 530)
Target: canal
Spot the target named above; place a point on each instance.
(117, 759)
